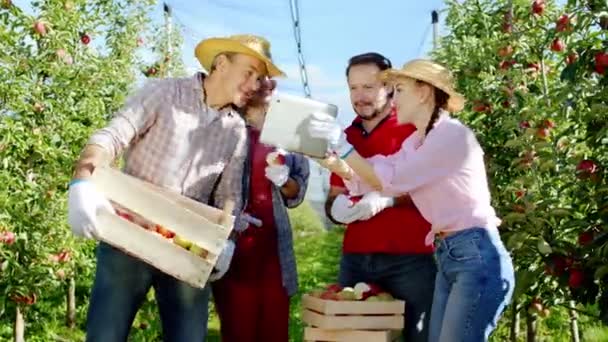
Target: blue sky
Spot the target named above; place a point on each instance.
(331, 31)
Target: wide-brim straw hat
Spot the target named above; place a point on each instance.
(247, 44)
(432, 73)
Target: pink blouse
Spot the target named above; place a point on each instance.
(444, 175)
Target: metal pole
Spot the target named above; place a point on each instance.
(435, 22)
(168, 29)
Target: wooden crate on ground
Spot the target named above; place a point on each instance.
(201, 230)
(336, 320)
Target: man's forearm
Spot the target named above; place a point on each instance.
(92, 156)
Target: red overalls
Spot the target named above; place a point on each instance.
(250, 299)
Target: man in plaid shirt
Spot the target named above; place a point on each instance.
(183, 134)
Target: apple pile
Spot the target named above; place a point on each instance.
(275, 158)
(360, 292)
(161, 231)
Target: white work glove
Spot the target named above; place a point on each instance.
(371, 204)
(247, 220)
(342, 210)
(277, 174)
(84, 203)
(223, 261)
(326, 127)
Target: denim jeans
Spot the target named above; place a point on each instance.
(474, 284)
(121, 285)
(408, 277)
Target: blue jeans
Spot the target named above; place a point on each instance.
(474, 284)
(121, 285)
(407, 277)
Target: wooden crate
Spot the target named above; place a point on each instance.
(316, 334)
(203, 225)
(353, 315)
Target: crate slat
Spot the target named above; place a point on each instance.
(334, 307)
(318, 320)
(317, 334)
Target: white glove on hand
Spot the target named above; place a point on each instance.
(325, 126)
(223, 261)
(84, 203)
(371, 204)
(277, 174)
(342, 210)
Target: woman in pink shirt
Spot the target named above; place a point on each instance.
(442, 169)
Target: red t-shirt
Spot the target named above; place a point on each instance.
(399, 230)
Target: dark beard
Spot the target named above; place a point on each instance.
(375, 114)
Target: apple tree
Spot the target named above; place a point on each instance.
(66, 66)
(534, 75)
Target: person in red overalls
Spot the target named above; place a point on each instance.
(252, 299)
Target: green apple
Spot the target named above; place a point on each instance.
(198, 250)
(385, 297)
(180, 241)
(373, 299)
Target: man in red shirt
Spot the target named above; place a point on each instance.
(384, 242)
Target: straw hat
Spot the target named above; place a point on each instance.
(246, 44)
(431, 73)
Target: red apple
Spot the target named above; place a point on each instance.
(7, 238)
(524, 124)
(164, 232)
(586, 168)
(63, 256)
(548, 123)
(571, 58)
(601, 59)
(481, 107)
(505, 51)
(520, 193)
(151, 71)
(85, 39)
(507, 28)
(335, 288)
(576, 278)
(599, 69)
(585, 238)
(505, 65)
(563, 23)
(543, 132)
(330, 296)
(40, 28)
(558, 45)
(538, 7)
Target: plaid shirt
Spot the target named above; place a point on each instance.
(172, 139)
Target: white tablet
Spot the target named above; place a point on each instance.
(286, 124)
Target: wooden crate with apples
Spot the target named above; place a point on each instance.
(175, 234)
(363, 313)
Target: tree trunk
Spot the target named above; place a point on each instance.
(573, 323)
(531, 327)
(514, 323)
(19, 329)
(71, 304)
